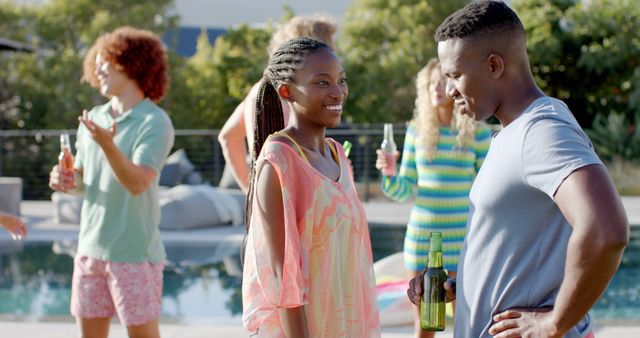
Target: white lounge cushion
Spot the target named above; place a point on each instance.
(181, 207)
(194, 206)
(10, 194)
(66, 207)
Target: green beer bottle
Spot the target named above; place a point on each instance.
(432, 305)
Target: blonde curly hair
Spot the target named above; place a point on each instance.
(425, 120)
(319, 26)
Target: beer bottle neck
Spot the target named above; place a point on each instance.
(435, 250)
(435, 259)
(388, 132)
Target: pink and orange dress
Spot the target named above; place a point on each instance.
(328, 265)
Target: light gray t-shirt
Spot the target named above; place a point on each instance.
(515, 249)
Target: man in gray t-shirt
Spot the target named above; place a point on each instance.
(546, 227)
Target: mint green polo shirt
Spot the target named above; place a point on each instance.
(114, 224)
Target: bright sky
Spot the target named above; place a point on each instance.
(225, 13)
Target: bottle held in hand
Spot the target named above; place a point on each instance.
(65, 159)
(347, 148)
(389, 149)
(432, 305)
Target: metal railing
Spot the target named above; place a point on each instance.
(30, 154)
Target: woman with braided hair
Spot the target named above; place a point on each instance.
(308, 267)
(239, 126)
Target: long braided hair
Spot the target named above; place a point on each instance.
(268, 116)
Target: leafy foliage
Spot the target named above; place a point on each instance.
(384, 44)
(45, 85)
(42, 90)
(586, 53)
(207, 87)
(616, 138)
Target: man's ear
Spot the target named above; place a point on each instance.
(285, 92)
(496, 65)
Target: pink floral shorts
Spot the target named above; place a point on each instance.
(101, 289)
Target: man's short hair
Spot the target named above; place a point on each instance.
(481, 19)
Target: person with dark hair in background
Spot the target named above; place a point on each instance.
(121, 148)
(308, 266)
(240, 124)
(546, 228)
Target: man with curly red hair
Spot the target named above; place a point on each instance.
(121, 148)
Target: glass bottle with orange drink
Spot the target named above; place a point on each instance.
(65, 159)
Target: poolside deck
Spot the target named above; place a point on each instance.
(38, 216)
(66, 330)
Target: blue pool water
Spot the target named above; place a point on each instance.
(202, 283)
(200, 286)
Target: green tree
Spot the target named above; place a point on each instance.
(586, 53)
(384, 44)
(47, 81)
(608, 33)
(207, 87)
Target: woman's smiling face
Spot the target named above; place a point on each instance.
(319, 89)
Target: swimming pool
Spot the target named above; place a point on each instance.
(202, 283)
(621, 301)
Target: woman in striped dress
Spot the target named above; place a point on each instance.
(443, 151)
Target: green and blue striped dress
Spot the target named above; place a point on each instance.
(442, 199)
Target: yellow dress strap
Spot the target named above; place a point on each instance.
(298, 148)
(334, 152)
